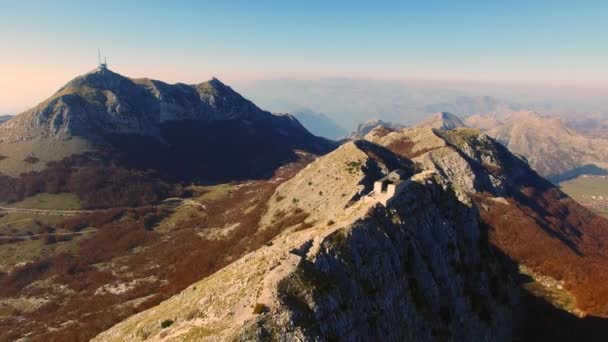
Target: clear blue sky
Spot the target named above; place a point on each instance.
(552, 42)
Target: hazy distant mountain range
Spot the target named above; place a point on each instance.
(364, 128)
(551, 147)
(591, 125)
(5, 118)
(320, 124)
(349, 102)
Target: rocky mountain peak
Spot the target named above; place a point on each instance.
(150, 124)
(552, 148)
(103, 102)
(100, 78)
(366, 127)
(347, 256)
(443, 120)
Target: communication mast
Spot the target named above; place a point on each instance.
(104, 65)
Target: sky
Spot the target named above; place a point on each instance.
(44, 44)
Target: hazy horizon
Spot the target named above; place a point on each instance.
(555, 46)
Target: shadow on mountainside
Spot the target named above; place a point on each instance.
(215, 151)
(589, 169)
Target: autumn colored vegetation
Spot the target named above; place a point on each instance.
(550, 232)
(152, 266)
(98, 183)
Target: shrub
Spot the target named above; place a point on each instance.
(166, 323)
(31, 160)
(50, 239)
(330, 222)
(259, 309)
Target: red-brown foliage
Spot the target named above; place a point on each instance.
(550, 232)
(404, 147)
(126, 244)
(97, 183)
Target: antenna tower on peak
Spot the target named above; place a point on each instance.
(104, 65)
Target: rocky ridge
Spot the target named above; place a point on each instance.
(360, 271)
(552, 148)
(366, 127)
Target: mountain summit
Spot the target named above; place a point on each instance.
(103, 102)
(440, 261)
(205, 132)
(443, 120)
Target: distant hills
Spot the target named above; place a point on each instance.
(320, 124)
(443, 120)
(473, 105)
(590, 125)
(349, 102)
(5, 118)
(364, 128)
(552, 148)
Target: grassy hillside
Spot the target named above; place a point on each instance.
(590, 191)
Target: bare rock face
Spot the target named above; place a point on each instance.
(205, 131)
(552, 149)
(443, 120)
(103, 102)
(397, 273)
(420, 269)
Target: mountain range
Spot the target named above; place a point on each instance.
(349, 101)
(364, 128)
(441, 261)
(172, 133)
(133, 209)
(551, 147)
(320, 124)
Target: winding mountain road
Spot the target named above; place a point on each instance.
(44, 211)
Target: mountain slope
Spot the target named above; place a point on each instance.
(432, 264)
(366, 127)
(551, 148)
(177, 133)
(362, 271)
(320, 124)
(537, 225)
(443, 120)
(474, 105)
(591, 126)
(483, 122)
